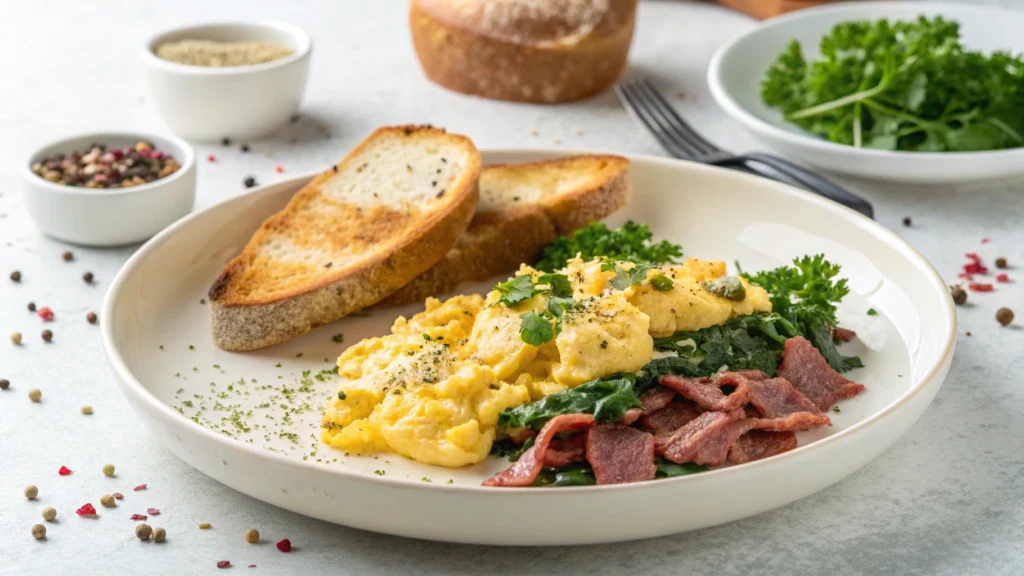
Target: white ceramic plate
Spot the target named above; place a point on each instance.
(152, 319)
(736, 71)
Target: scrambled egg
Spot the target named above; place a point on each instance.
(432, 390)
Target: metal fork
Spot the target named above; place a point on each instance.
(680, 140)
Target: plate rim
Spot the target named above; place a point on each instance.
(129, 383)
(739, 113)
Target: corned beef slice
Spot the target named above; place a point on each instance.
(631, 415)
(526, 470)
(808, 372)
(704, 440)
(653, 400)
(774, 398)
(620, 454)
(707, 393)
(758, 444)
(672, 417)
(563, 451)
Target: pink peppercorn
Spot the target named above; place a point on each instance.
(285, 545)
(86, 510)
(46, 314)
(64, 471)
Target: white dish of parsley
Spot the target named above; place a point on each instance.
(252, 421)
(900, 91)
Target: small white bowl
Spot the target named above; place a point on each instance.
(241, 102)
(115, 216)
(736, 71)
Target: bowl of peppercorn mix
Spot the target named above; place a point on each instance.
(109, 189)
(227, 80)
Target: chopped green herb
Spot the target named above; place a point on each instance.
(872, 312)
(516, 290)
(378, 472)
(338, 338)
(631, 242)
(536, 330)
(299, 355)
(191, 347)
(342, 395)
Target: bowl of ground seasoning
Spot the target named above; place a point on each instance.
(239, 81)
(109, 189)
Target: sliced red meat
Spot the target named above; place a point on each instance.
(805, 368)
(631, 415)
(704, 440)
(657, 398)
(672, 417)
(620, 454)
(653, 400)
(707, 393)
(842, 334)
(526, 470)
(564, 451)
(776, 397)
(791, 422)
(758, 444)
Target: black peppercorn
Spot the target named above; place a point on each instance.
(1001, 263)
(16, 276)
(249, 181)
(226, 141)
(1004, 316)
(87, 277)
(906, 221)
(5, 384)
(91, 317)
(68, 256)
(245, 147)
(959, 295)
(31, 306)
(47, 336)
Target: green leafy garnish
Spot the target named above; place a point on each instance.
(872, 312)
(751, 342)
(901, 85)
(579, 474)
(631, 242)
(516, 290)
(806, 295)
(606, 398)
(338, 338)
(535, 329)
(506, 448)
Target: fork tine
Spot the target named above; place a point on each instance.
(640, 110)
(674, 120)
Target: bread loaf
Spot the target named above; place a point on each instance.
(543, 51)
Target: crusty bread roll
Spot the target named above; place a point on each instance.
(542, 51)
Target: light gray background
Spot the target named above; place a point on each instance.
(946, 499)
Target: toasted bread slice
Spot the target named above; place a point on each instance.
(356, 233)
(522, 208)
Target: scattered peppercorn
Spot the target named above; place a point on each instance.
(31, 491)
(285, 545)
(205, 526)
(86, 510)
(87, 277)
(117, 495)
(224, 564)
(959, 295)
(907, 221)
(143, 531)
(252, 536)
(279, 169)
(139, 487)
(91, 317)
(159, 535)
(152, 511)
(67, 256)
(16, 338)
(16, 276)
(39, 531)
(108, 470)
(249, 181)
(1004, 316)
(46, 314)
(102, 167)
(1001, 263)
(64, 471)
(5, 384)
(49, 513)
(211, 158)
(226, 141)
(87, 410)
(107, 501)
(47, 336)
(31, 306)
(245, 147)
(35, 395)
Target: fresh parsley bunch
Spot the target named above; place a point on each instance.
(901, 85)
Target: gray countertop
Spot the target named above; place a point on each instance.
(947, 498)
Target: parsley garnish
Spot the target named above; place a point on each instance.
(539, 327)
(535, 329)
(631, 242)
(901, 85)
(872, 312)
(338, 338)
(516, 290)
